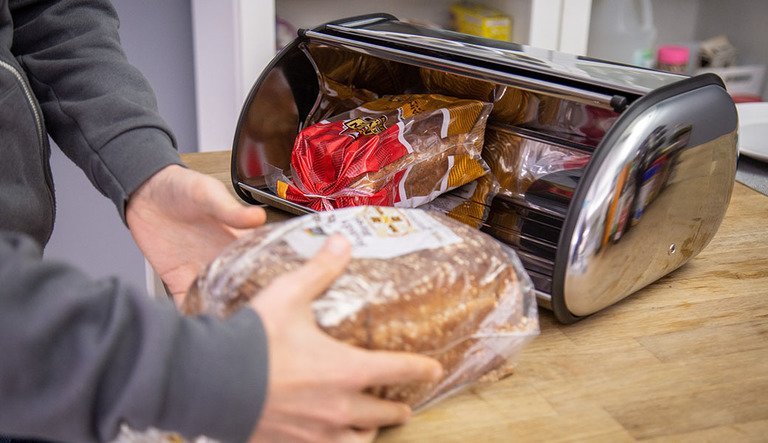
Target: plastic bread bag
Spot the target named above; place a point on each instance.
(517, 160)
(469, 204)
(154, 435)
(348, 79)
(510, 105)
(569, 120)
(401, 150)
(418, 281)
(336, 98)
(360, 71)
(562, 118)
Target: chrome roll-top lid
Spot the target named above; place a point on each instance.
(651, 198)
(592, 74)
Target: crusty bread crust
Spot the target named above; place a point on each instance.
(466, 304)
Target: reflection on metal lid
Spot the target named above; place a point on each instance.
(596, 72)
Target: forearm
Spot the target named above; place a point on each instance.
(82, 357)
(98, 108)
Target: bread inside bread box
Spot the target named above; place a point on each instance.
(578, 150)
(536, 144)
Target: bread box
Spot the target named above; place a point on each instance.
(609, 176)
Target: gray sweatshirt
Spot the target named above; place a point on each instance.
(78, 358)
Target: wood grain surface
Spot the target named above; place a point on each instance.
(684, 359)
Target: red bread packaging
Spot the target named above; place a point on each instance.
(402, 151)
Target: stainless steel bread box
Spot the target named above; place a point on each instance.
(645, 160)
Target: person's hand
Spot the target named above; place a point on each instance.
(316, 383)
(182, 219)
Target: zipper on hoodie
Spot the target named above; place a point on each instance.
(44, 148)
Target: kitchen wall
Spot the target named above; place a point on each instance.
(675, 21)
(688, 21)
(157, 37)
(744, 23)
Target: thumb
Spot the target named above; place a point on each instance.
(319, 272)
(235, 215)
(229, 211)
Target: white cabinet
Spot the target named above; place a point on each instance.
(235, 39)
(539, 23)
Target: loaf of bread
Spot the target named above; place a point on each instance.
(517, 160)
(418, 282)
(511, 105)
(469, 204)
(335, 98)
(401, 150)
(361, 71)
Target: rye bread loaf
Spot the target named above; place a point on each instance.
(463, 299)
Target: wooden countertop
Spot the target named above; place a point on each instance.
(685, 358)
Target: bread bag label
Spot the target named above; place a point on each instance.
(374, 231)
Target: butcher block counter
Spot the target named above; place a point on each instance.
(684, 359)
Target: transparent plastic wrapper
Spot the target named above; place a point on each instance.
(418, 282)
(401, 151)
(153, 435)
(469, 204)
(517, 160)
(510, 105)
(336, 98)
(349, 79)
(568, 120)
(565, 119)
(360, 70)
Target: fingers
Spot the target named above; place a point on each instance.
(237, 216)
(243, 217)
(358, 436)
(220, 204)
(369, 412)
(384, 368)
(319, 272)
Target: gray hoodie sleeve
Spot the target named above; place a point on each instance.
(81, 357)
(98, 108)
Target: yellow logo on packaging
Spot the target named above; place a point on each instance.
(388, 222)
(365, 126)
